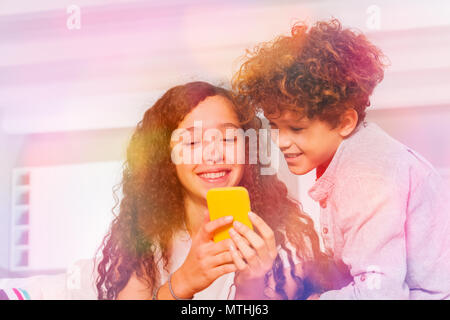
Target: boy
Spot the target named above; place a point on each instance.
(384, 210)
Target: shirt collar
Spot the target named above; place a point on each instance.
(323, 186)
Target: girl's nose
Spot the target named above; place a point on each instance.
(213, 152)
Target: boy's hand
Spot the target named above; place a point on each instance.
(314, 296)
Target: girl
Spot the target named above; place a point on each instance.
(160, 244)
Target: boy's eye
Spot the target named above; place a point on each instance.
(296, 129)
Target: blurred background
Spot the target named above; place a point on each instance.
(76, 76)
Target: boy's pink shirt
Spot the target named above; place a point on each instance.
(385, 212)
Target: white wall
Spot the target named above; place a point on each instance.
(126, 53)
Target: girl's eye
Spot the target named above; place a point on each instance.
(296, 129)
(230, 140)
(192, 143)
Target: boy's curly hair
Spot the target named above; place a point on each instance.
(320, 72)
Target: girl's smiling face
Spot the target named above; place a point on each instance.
(306, 144)
(216, 114)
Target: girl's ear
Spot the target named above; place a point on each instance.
(349, 120)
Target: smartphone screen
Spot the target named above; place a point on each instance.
(228, 201)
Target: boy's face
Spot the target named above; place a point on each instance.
(306, 144)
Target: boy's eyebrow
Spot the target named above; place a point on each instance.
(292, 122)
(299, 122)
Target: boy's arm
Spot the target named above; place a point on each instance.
(371, 214)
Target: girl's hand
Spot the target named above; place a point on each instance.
(253, 256)
(206, 261)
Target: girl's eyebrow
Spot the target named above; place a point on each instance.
(228, 124)
(221, 125)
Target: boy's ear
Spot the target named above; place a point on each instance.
(349, 120)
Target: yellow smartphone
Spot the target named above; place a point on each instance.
(228, 201)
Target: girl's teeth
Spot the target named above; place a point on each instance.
(214, 175)
(293, 155)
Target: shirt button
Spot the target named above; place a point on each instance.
(323, 204)
(362, 278)
(325, 230)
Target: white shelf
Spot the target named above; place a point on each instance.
(21, 227)
(59, 204)
(24, 188)
(20, 207)
(22, 247)
(20, 211)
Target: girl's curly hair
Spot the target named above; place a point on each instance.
(152, 211)
(320, 72)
